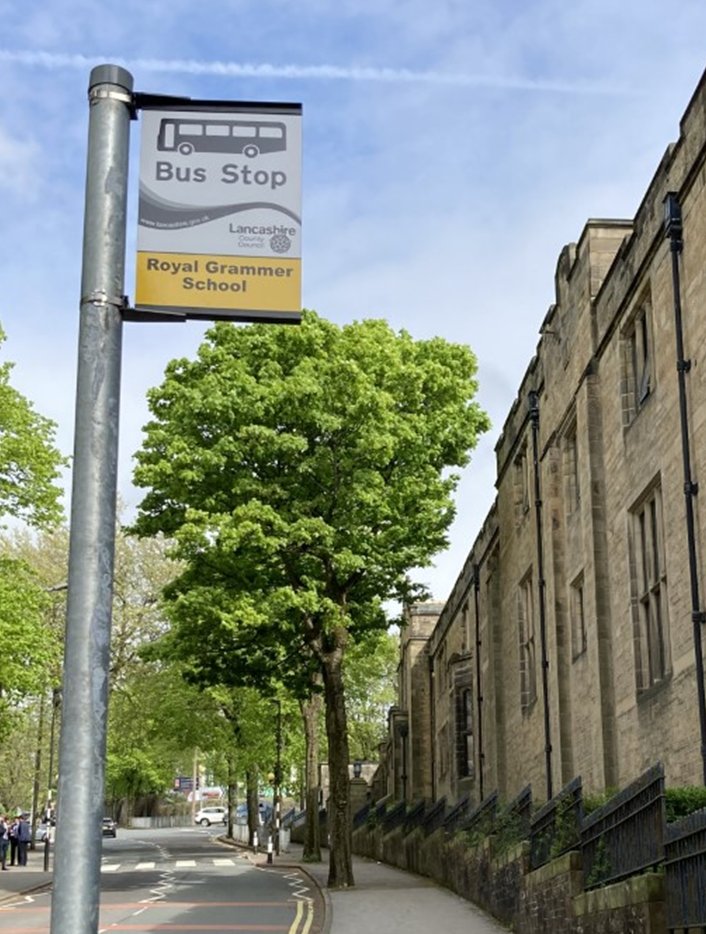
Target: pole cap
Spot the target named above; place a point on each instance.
(111, 74)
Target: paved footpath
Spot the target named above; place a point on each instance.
(384, 900)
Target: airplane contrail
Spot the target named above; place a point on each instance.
(59, 61)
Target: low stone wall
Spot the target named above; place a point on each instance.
(635, 906)
(547, 896)
(548, 900)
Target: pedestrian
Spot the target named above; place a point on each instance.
(24, 835)
(12, 833)
(4, 840)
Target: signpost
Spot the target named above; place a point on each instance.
(219, 231)
(219, 238)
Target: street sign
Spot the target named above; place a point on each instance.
(219, 216)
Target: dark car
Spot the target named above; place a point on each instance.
(110, 828)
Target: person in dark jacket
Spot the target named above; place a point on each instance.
(12, 833)
(24, 835)
(4, 839)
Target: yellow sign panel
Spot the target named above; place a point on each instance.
(218, 283)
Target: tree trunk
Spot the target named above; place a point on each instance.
(339, 823)
(311, 710)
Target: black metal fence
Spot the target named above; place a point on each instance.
(685, 873)
(361, 816)
(456, 814)
(394, 817)
(556, 827)
(518, 813)
(414, 817)
(434, 817)
(626, 835)
(481, 820)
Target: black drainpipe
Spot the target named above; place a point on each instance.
(479, 694)
(534, 419)
(673, 232)
(432, 726)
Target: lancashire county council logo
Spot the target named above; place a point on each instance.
(280, 243)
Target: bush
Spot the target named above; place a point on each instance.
(685, 800)
(593, 802)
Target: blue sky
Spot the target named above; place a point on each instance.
(450, 150)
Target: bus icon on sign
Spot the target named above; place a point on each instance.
(247, 137)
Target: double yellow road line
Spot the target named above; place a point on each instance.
(304, 917)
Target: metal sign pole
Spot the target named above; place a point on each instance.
(76, 896)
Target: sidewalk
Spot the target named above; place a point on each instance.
(384, 900)
(21, 880)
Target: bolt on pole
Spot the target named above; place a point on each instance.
(76, 894)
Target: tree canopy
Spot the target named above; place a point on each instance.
(29, 460)
(303, 473)
(29, 469)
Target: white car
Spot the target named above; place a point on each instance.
(211, 815)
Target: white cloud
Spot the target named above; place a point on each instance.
(450, 151)
(18, 169)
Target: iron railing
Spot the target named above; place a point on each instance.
(413, 817)
(556, 827)
(456, 814)
(481, 820)
(685, 873)
(513, 821)
(361, 816)
(434, 817)
(394, 817)
(626, 835)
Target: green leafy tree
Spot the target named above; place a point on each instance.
(30, 650)
(370, 674)
(156, 720)
(142, 571)
(302, 473)
(29, 470)
(29, 461)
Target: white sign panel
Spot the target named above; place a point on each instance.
(219, 226)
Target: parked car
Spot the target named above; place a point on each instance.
(211, 815)
(110, 828)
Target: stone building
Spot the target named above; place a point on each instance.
(570, 644)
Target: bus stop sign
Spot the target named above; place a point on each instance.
(219, 215)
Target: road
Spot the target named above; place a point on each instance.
(184, 880)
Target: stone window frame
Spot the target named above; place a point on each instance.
(637, 360)
(465, 621)
(570, 465)
(464, 732)
(649, 594)
(522, 482)
(527, 643)
(443, 749)
(442, 672)
(577, 617)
